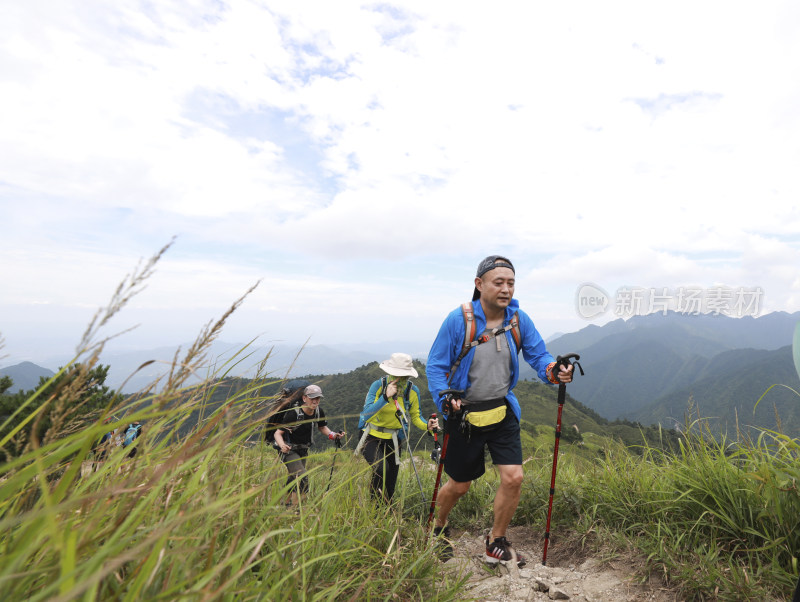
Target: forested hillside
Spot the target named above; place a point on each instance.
(345, 393)
(726, 389)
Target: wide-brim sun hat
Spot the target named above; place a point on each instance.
(399, 364)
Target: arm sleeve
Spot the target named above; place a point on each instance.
(374, 400)
(533, 347)
(416, 410)
(441, 357)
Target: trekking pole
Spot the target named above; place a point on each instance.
(437, 448)
(338, 443)
(450, 393)
(562, 396)
(407, 433)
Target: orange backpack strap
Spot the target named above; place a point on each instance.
(469, 325)
(515, 332)
(469, 337)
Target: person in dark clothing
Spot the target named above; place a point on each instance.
(296, 435)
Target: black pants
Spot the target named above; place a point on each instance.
(380, 455)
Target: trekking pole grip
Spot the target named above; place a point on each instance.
(449, 395)
(564, 360)
(432, 433)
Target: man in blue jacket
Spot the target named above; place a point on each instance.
(486, 413)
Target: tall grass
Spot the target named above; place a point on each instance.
(202, 519)
(200, 516)
(196, 516)
(719, 520)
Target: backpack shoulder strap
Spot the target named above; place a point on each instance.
(468, 313)
(407, 396)
(301, 415)
(513, 326)
(515, 332)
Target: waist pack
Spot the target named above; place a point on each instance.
(486, 413)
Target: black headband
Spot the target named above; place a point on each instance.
(488, 264)
(492, 262)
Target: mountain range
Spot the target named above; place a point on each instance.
(654, 369)
(134, 370)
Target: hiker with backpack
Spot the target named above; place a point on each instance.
(295, 435)
(291, 396)
(130, 434)
(384, 421)
(472, 369)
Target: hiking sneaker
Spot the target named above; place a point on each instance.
(500, 550)
(442, 543)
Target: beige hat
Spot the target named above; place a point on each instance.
(313, 391)
(399, 365)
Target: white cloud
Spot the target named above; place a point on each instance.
(625, 141)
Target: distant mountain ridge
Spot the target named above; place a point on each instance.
(726, 389)
(648, 368)
(133, 371)
(645, 369)
(25, 376)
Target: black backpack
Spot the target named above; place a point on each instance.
(291, 397)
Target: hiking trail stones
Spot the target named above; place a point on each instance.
(585, 580)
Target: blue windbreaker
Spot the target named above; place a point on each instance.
(450, 340)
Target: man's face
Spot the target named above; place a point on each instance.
(311, 402)
(496, 287)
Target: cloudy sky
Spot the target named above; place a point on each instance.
(358, 160)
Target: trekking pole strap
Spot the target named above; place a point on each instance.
(564, 360)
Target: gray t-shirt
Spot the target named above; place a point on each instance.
(490, 371)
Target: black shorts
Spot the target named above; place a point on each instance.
(464, 460)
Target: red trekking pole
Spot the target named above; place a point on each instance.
(450, 395)
(439, 458)
(562, 397)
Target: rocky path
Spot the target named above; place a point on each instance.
(570, 574)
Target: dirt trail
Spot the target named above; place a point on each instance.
(570, 574)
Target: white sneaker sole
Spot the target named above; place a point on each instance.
(492, 560)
